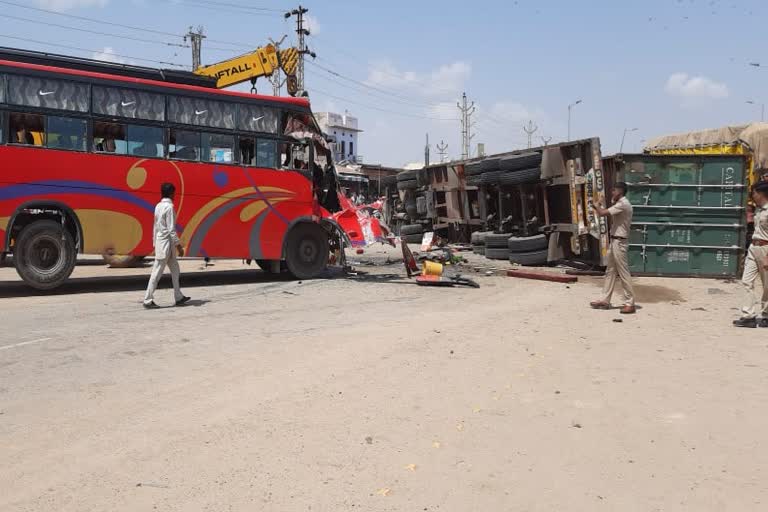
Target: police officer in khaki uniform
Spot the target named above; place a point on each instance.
(618, 263)
(756, 264)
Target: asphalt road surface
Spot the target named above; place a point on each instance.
(370, 393)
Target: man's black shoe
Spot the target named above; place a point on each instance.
(151, 305)
(746, 322)
(182, 301)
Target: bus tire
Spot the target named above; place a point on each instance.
(122, 260)
(306, 251)
(44, 254)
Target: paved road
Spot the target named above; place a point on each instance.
(370, 393)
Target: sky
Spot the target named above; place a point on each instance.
(651, 68)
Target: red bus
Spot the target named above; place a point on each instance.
(85, 146)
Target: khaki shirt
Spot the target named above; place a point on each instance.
(761, 223)
(621, 218)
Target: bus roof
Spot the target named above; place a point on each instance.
(133, 77)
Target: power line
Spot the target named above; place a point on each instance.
(91, 20)
(365, 105)
(95, 32)
(86, 50)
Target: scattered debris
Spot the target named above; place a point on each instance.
(289, 293)
(715, 291)
(460, 427)
(384, 491)
(576, 425)
(145, 484)
(435, 444)
(411, 467)
(698, 309)
(369, 440)
(618, 320)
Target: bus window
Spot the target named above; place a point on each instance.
(217, 148)
(66, 133)
(26, 129)
(266, 154)
(146, 141)
(183, 145)
(109, 138)
(247, 146)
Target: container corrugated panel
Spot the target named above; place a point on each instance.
(689, 214)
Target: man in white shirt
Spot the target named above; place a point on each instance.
(618, 263)
(756, 264)
(167, 245)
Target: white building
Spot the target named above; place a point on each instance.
(343, 128)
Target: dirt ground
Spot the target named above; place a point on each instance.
(370, 393)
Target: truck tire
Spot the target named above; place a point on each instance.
(306, 251)
(414, 238)
(497, 241)
(533, 258)
(494, 253)
(411, 229)
(521, 176)
(475, 180)
(407, 185)
(521, 161)
(473, 169)
(44, 254)
(528, 243)
(490, 164)
(406, 175)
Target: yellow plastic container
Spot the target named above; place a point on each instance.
(431, 268)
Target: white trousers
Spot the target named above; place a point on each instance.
(157, 272)
(755, 305)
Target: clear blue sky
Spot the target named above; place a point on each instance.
(661, 66)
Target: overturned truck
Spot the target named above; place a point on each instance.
(528, 206)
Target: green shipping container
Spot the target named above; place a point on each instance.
(689, 213)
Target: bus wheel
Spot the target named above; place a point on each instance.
(122, 260)
(306, 251)
(44, 254)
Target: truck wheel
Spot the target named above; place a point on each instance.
(411, 229)
(306, 251)
(533, 258)
(527, 244)
(493, 253)
(44, 255)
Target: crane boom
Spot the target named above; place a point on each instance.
(263, 61)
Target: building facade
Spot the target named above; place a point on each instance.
(344, 130)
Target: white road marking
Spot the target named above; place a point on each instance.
(5, 347)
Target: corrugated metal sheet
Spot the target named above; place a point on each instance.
(689, 213)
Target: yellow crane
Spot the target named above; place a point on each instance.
(263, 61)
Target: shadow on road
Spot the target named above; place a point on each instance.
(139, 282)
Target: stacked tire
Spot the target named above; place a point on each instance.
(496, 246)
(529, 251)
(478, 242)
(407, 180)
(412, 233)
(508, 170)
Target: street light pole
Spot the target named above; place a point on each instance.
(569, 116)
(621, 148)
(762, 109)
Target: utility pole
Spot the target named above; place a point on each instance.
(441, 150)
(530, 130)
(426, 153)
(303, 49)
(570, 107)
(466, 114)
(624, 136)
(546, 140)
(196, 41)
(276, 79)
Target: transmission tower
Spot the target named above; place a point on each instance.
(530, 130)
(303, 49)
(466, 112)
(196, 41)
(441, 150)
(546, 140)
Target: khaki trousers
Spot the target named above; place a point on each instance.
(157, 273)
(618, 269)
(753, 268)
